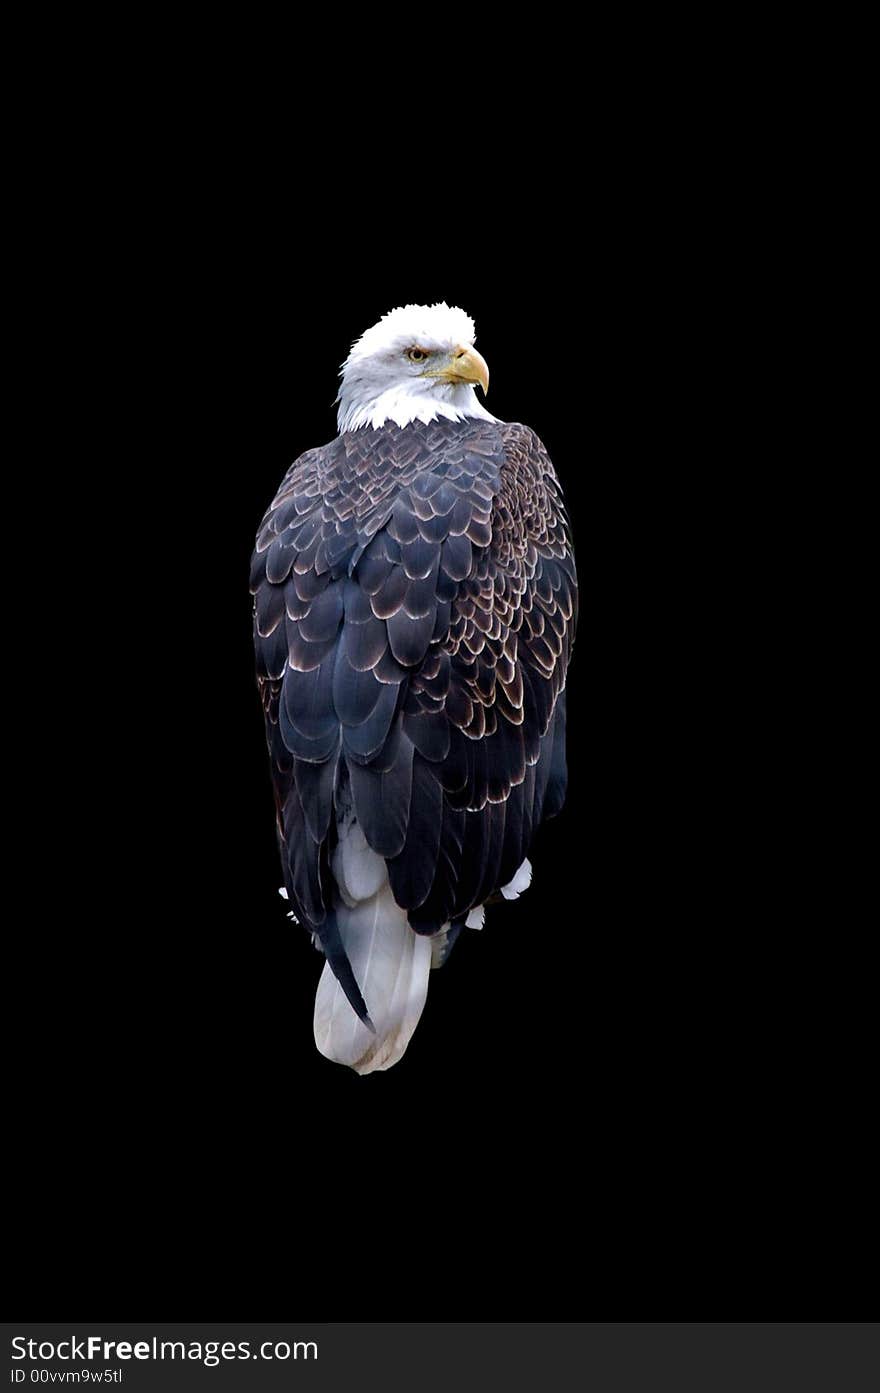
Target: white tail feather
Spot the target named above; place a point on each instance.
(390, 962)
(521, 881)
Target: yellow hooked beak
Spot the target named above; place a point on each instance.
(465, 365)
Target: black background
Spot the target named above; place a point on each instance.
(620, 1091)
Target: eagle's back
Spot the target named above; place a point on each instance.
(415, 602)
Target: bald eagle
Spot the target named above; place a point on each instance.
(414, 609)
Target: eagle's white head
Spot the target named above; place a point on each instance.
(417, 364)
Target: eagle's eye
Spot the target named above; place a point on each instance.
(416, 355)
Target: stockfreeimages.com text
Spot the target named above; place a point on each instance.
(209, 1352)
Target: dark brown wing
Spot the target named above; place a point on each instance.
(413, 617)
(486, 709)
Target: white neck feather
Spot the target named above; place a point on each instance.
(407, 402)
